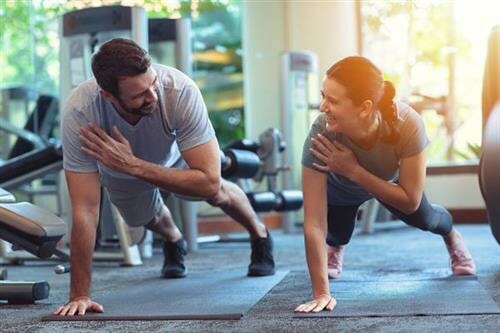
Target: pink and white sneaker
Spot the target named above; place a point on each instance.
(461, 259)
(335, 260)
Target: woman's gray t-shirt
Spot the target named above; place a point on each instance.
(382, 160)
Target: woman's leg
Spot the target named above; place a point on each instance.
(427, 217)
(438, 220)
(341, 221)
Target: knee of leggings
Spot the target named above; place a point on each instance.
(443, 220)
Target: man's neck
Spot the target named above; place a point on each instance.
(132, 119)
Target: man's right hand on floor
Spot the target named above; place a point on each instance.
(79, 306)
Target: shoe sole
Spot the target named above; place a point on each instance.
(174, 275)
(257, 274)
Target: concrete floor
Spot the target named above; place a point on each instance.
(393, 249)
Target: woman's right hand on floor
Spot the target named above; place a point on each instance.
(79, 306)
(322, 302)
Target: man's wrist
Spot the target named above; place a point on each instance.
(135, 167)
(78, 298)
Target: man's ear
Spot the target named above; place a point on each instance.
(107, 95)
(366, 108)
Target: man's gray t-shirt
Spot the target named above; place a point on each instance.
(180, 122)
(382, 160)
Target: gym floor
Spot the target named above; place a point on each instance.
(393, 248)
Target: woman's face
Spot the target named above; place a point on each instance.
(341, 114)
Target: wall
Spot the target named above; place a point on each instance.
(271, 28)
(455, 191)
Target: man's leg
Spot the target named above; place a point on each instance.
(233, 201)
(163, 224)
(174, 247)
(141, 205)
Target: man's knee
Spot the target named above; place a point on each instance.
(222, 197)
(162, 217)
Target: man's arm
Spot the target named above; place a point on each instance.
(202, 179)
(84, 191)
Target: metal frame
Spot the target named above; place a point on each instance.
(304, 62)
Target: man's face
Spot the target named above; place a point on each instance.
(138, 94)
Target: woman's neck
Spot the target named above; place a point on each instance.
(367, 138)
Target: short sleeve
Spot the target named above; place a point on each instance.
(74, 159)
(193, 126)
(318, 127)
(413, 138)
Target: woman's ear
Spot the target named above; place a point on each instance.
(366, 108)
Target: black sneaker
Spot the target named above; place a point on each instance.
(173, 264)
(261, 260)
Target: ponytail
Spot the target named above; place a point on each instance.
(389, 112)
(364, 81)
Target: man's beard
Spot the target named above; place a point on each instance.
(145, 109)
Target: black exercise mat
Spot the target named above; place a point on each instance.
(212, 295)
(452, 295)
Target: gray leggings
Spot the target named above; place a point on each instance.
(428, 217)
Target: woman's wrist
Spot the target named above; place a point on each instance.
(355, 173)
(321, 294)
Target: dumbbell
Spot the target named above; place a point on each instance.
(281, 201)
(237, 163)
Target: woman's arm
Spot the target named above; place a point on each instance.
(315, 227)
(405, 195)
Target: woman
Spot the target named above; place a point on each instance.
(364, 145)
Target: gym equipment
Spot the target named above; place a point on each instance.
(35, 230)
(261, 161)
(237, 163)
(42, 122)
(282, 201)
(299, 100)
(16, 101)
(33, 155)
(170, 43)
(82, 31)
(32, 165)
(200, 297)
(489, 164)
(243, 161)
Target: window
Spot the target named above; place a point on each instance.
(29, 54)
(434, 52)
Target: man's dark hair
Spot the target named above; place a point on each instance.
(116, 59)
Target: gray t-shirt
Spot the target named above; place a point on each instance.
(382, 160)
(180, 122)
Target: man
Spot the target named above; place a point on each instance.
(135, 128)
